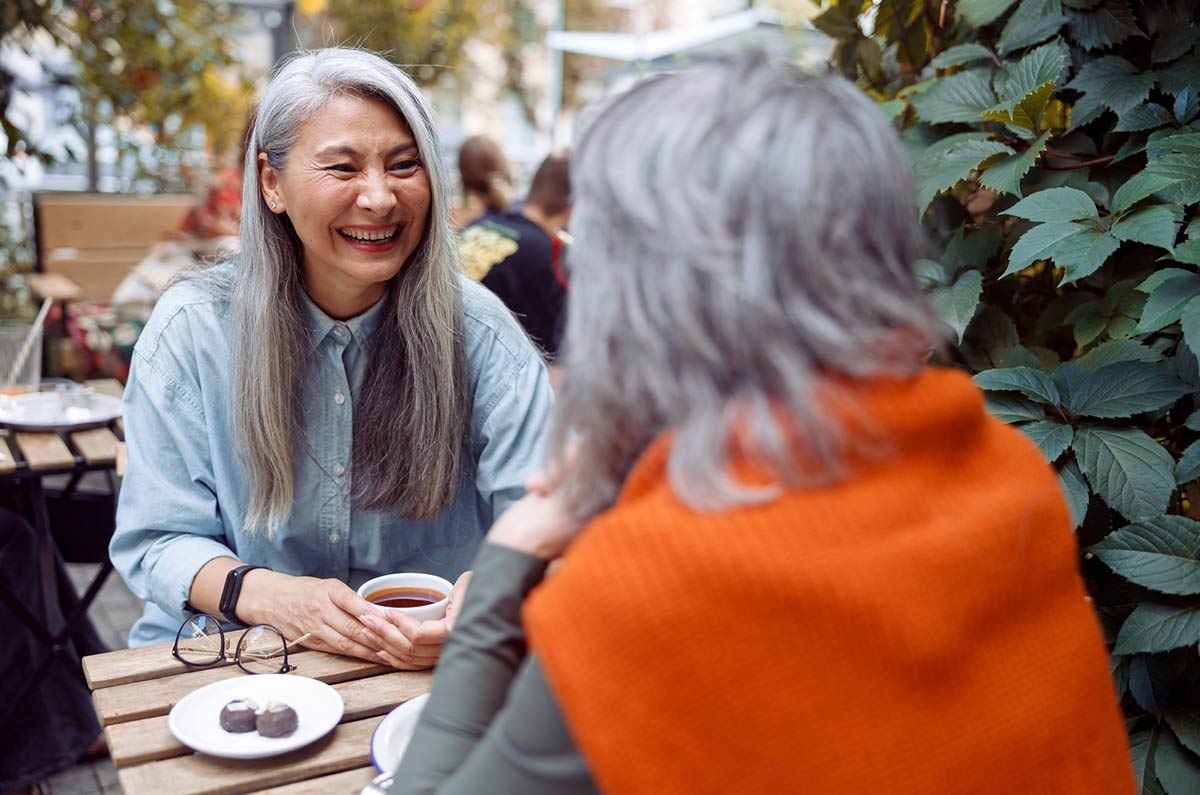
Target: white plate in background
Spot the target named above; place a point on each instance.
(393, 733)
(43, 411)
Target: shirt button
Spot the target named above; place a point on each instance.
(334, 537)
(340, 331)
(339, 470)
(339, 398)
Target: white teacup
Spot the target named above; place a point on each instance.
(413, 583)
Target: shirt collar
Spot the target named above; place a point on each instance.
(321, 325)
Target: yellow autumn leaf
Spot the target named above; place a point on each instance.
(311, 7)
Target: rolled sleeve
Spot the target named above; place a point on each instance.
(168, 520)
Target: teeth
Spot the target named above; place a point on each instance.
(369, 237)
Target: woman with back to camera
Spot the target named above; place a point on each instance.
(334, 403)
(809, 562)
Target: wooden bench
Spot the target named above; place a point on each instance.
(93, 239)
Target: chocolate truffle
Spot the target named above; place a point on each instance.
(239, 716)
(277, 720)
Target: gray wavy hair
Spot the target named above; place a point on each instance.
(411, 412)
(744, 236)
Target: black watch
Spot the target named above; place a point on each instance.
(232, 590)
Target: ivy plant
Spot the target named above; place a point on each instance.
(1056, 155)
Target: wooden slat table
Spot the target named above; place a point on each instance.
(134, 689)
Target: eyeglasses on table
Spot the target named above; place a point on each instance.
(260, 649)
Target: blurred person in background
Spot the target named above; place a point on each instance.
(487, 183)
(517, 254)
(809, 561)
(335, 402)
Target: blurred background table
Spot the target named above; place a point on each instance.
(134, 689)
(26, 458)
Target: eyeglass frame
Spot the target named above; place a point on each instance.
(237, 654)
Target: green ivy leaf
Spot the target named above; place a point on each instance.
(1187, 252)
(838, 22)
(1154, 627)
(1143, 117)
(1086, 109)
(962, 54)
(1110, 24)
(957, 98)
(942, 165)
(1151, 677)
(1142, 746)
(1173, 41)
(1010, 408)
(1005, 175)
(1039, 243)
(1075, 490)
(1033, 384)
(1034, 21)
(1081, 255)
(892, 108)
(1130, 471)
(956, 304)
(1179, 76)
(1115, 81)
(1184, 171)
(1138, 187)
(982, 12)
(1055, 204)
(1166, 304)
(1165, 142)
(1052, 438)
(1187, 104)
(1190, 323)
(1046, 64)
(1176, 769)
(1161, 276)
(1186, 723)
(1192, 422)
(1154, 226)
(1162, 554)
(1124, 389)
(1188, 468)
(1023, 112)
(1115, 351)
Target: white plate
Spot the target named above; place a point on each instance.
(195, 720)
(393, 733)
(43, 411)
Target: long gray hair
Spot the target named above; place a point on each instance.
(411, 412)
(744, 237)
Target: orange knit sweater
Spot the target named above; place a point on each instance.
(919, 627)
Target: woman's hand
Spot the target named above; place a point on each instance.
(325, 610)
(538, 524)
(413, 645)
(332, 615)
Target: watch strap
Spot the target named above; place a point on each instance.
(232, 590)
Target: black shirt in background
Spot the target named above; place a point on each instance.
(514, 258)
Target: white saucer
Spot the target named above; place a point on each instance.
(393, 733)
(43, 411)
(195, 720)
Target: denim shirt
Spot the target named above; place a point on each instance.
(185, 492)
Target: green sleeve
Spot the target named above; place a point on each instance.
(492, 723)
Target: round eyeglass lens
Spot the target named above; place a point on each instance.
(260, 651)
(200, 641)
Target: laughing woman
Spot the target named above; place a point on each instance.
(336, 402)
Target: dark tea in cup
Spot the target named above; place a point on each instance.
(405, 597)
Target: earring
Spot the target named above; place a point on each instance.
(273, 205)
